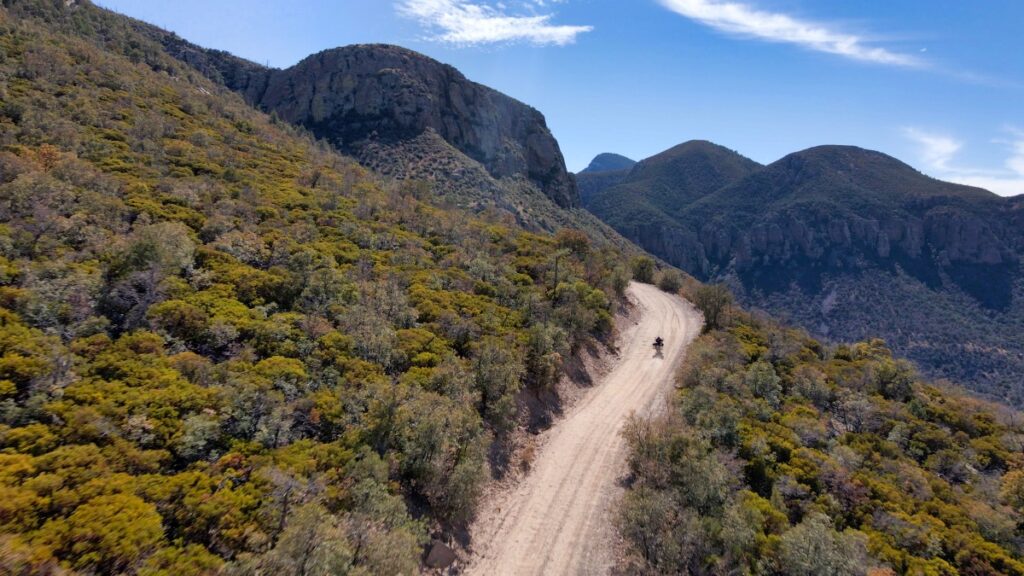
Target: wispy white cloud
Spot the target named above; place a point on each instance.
(1016, 160)
(937, 153)
(466, 22)
(745, 20)
(1004, 186)
(936, 150)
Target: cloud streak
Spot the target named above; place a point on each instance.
(1016, 160)
(744, 20)
(467, 23)
(937, 152)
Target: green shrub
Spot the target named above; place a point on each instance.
(643, 269)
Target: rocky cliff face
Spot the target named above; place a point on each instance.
(851, 240)
(354, 95)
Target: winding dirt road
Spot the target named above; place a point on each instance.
(557, 520)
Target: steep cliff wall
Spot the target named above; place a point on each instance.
(357, 94)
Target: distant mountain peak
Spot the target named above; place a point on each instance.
(844, 156)
(695, 145)
(882, 180)
(687, 172)
(690, 148)
(608, 162)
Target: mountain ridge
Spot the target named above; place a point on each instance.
(812, 235)
(328, 93)
(608, 162)
(508, 138)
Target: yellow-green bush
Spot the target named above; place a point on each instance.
(219, 338)
(848, 463)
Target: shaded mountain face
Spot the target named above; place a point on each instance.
(845, 207)
(608, 162)
(604, 171)
(685, 173)
(591, 184)
(849, 242)
(664, 182)
(644, 202)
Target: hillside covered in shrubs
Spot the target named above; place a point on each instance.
(783, 456)
(224, 346)
(227, 349)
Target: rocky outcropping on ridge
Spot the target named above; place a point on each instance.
(380, 94)
(375, 92)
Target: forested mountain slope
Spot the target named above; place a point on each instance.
(604, 171)
(679, 176)
(223, 345)
(849, 243)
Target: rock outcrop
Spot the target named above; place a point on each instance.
(376, 95)
(357, 94)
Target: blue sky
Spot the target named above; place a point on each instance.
(936, 83)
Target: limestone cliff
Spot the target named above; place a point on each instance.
(358, 94)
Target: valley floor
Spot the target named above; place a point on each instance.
(557, 520)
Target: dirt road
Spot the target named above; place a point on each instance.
(557, 521)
